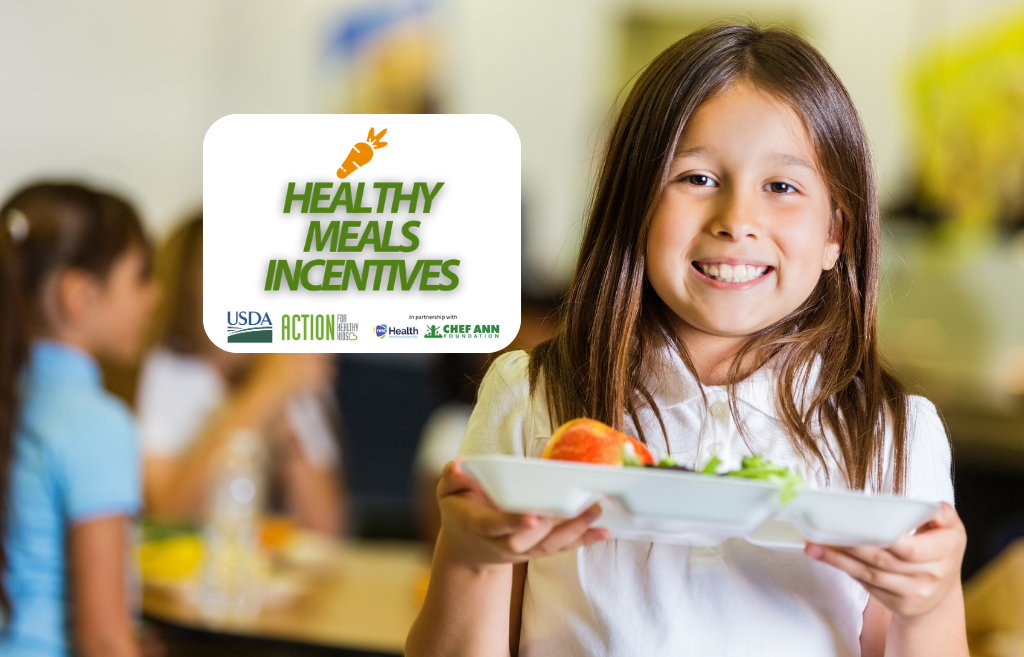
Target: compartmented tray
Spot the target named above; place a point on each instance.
(687, 508)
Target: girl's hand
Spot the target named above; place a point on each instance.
(478, 534)
(913, 576)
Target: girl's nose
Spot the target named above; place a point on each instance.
(736, 218)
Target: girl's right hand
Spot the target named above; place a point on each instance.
(478, 534)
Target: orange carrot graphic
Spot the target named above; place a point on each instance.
(362, 153)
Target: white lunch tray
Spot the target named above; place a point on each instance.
(671, 506)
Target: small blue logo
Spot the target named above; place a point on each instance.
(380, 330)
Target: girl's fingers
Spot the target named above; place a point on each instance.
(566, 533)
(484, 519)
(589, 537)
(522, 541)
(884, 559)
(924, 547)
(596, 535)
(856, 568)
(510, 534)
(947, 517)
(454, 480)
(934, 540)
(888, 599)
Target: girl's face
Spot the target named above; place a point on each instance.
(122, 307)
(743, 228)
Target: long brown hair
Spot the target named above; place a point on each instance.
(613, 320)
(46, 229)
(178, 320)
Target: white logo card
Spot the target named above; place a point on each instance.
(361, 233)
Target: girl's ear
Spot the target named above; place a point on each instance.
(77, 293)
(835, 242)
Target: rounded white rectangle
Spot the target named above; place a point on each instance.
(361, 233)
(690, 508)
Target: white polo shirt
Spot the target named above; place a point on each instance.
(636, 598)
(179, 393)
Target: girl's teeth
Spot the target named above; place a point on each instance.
(733, 273)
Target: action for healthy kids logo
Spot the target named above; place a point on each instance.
(317, 327)
(424, 211)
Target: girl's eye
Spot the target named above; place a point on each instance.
(781, 188)
(700, 180)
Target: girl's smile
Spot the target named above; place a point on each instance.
(743, 228)
(732, 273)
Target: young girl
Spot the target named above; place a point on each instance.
(723, 304)
(75, 287)
(193, 397)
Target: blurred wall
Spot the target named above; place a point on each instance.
(121, 93)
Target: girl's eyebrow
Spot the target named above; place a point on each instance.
(775, 157)
(691, 152)
(786, 159)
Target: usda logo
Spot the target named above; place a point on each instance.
(380, 330)
(250, 326)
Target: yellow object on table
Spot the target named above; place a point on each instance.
(172, 559)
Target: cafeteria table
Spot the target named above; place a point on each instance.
(363, 603)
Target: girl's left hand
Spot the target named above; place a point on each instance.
(914, 575)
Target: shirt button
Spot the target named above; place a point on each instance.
(715, 449)
(719, 409)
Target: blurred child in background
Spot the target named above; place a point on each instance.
(74, 287)
(193, 397)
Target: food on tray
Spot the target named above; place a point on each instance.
(590, 441)
(761, 469)
(669, 463)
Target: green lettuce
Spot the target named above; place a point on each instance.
(759, 468)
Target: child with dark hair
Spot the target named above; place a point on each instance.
(74, 287)
(193, 397)
(723, 304)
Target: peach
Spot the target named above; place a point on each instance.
(590, 441)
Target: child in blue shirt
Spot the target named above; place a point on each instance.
(74, 287)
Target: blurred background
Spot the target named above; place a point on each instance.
(120, 94)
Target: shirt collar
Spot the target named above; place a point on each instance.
(672, 384)
(60, 362)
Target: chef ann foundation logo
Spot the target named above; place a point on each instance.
(251, 326)
(464, 331)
